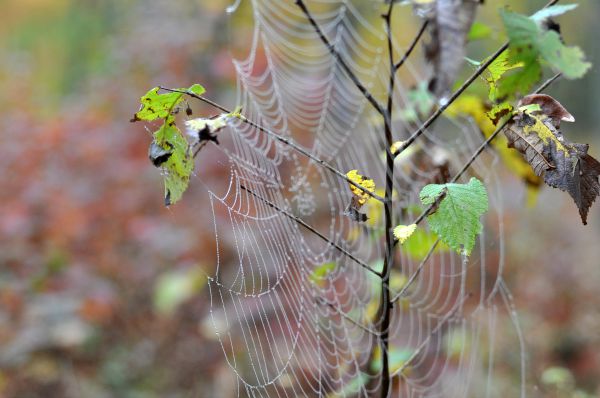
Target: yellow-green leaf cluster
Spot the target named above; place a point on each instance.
(361, 195)
(169, 149)
(403, 232)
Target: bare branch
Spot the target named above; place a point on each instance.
(347, 317)
(385, 305)
(311, 229)
(412, 45)
(341, 60)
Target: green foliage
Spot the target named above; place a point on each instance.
(479, 31)
(320, 272)
(459, 207)
(159, 106)
(530, 44)
(169, 149)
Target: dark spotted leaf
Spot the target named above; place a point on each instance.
(534, 132)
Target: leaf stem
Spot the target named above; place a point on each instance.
(412, 46)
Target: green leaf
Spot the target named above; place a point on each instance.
(496, 70)
(456, 219)
(180, 164)
(419, 244)
(159, 106)
(552, 11)
(568, 60)
(524, 79)
(479, 31)
(530, 42)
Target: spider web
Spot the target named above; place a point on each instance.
(286, 328)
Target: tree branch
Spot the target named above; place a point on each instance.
(311, 229)
(412, 45)
(337, 56)
(385, 304)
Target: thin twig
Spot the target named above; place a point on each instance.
(279, 138)
(341, 60)
(415, 274)
(412, 45)
(347, 317)
(311, 229)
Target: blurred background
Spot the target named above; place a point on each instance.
(102, 288)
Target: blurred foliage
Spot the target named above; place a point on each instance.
(100, 287)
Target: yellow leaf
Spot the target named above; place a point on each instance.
(365, 182)
(396, 146)
(403, 232)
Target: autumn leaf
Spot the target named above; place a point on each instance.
(563, 165)
(160, 106)
(359, 196)
(449, 24)
(403, 232)
(459, 207)
(471, 106)
(169, 149)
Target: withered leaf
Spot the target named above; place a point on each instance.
(550, 107)
(563, 164)
(449, 24)
(576, 173)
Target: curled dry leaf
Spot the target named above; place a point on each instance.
(449, 24)
(563, 164)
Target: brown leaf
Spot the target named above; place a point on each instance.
(576, 174)
(550, 107)
(563, 165)
(449, 24)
